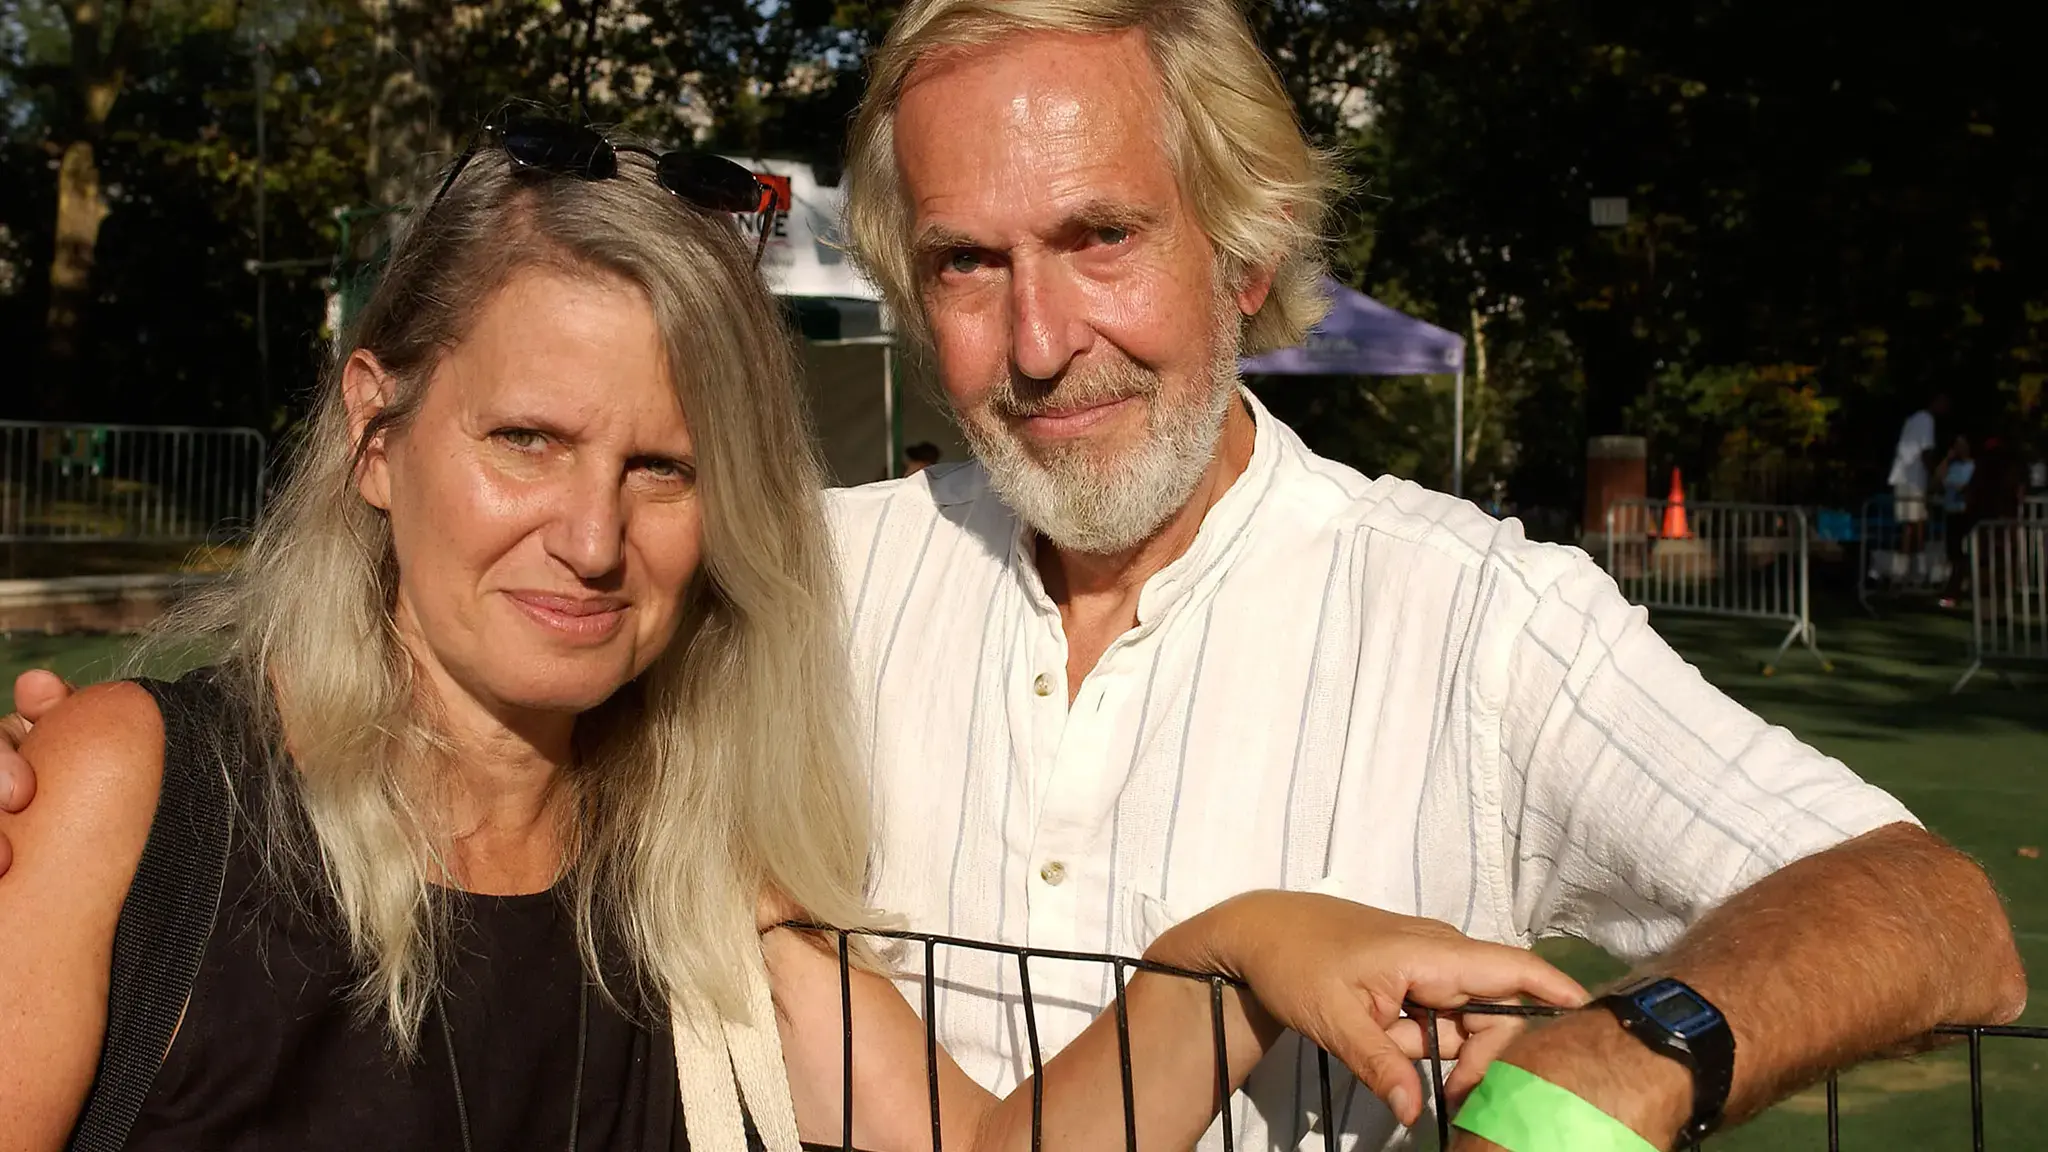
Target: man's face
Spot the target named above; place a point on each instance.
(1084, 335)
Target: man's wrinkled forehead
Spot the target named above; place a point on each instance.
(1033, 116)
(1042, 56)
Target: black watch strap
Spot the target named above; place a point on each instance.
(1679, 1023)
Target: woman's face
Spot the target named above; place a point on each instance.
(542, 501)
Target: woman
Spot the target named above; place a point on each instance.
(531, 706)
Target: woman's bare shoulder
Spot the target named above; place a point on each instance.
(99, 766)
(99, 762)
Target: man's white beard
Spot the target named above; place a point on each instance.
(1107, 506)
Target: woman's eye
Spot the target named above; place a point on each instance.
(665, 471)
(963, 261)
(521, 439)
(1111, 234)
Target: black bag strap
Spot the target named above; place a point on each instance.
(169, 911)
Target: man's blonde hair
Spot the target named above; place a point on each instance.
(1260, 190)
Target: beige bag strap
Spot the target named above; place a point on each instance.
(719, 1062)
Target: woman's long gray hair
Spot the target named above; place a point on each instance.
(724, 770)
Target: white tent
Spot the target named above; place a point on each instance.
(864, 414)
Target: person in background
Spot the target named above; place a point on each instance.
(1909, 477)
(1994, 490)
(1953, 476)
(920, 456)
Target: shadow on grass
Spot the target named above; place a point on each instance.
(1891, 674)
(81, 659)
(50, 560)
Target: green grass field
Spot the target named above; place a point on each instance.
(1974, 767)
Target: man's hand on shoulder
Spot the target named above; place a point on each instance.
(37, 693)
(100, 763)
(95, 765)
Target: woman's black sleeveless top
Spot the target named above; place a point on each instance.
(273, 1053)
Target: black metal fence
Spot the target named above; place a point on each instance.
(1122, 966)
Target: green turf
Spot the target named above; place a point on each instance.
(83, 659)
(79, 659)
(1973, 766)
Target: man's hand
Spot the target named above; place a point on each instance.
(1339, 972)
(1901, 932)
(36, 695)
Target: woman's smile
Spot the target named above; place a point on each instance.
(575, 618)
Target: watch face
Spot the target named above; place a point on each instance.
(1675, 1007)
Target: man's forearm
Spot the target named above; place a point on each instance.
(1854, 952)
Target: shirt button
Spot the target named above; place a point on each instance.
(1053, 873)
(1042, 685)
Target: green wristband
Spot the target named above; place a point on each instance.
(1522, 1112)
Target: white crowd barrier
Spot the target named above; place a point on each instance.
(125, 482)
(1741, 561)
(2008, 595)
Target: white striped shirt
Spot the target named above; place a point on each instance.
(1355, 686)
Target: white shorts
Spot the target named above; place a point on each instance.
(1909, 504)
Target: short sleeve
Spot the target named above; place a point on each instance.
(1636, 796)
(1920, 434)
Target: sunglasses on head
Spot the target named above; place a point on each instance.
(544, 144)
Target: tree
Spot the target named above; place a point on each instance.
(1848, 207)
(363, 100)
(105, 36)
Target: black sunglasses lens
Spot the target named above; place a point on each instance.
(711, 182)
(559, 146)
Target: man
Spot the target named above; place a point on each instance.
(1149, 651)
(1909, 481)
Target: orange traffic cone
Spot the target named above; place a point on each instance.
(1674, 511)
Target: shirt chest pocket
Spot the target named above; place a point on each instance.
(1142, 919)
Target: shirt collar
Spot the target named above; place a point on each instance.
(1217, 542)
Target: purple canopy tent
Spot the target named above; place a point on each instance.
(1363, 337)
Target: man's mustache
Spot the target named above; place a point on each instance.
(1019, 398)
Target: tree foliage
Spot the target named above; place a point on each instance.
(1831, 213)
(362, 100)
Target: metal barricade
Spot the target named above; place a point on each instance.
(66, 483)
(1888, 562)
(1318, 1121)
(1743, 561)
(2008, 594)
(2034, 508)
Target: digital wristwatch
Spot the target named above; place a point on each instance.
(1677, 1022)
